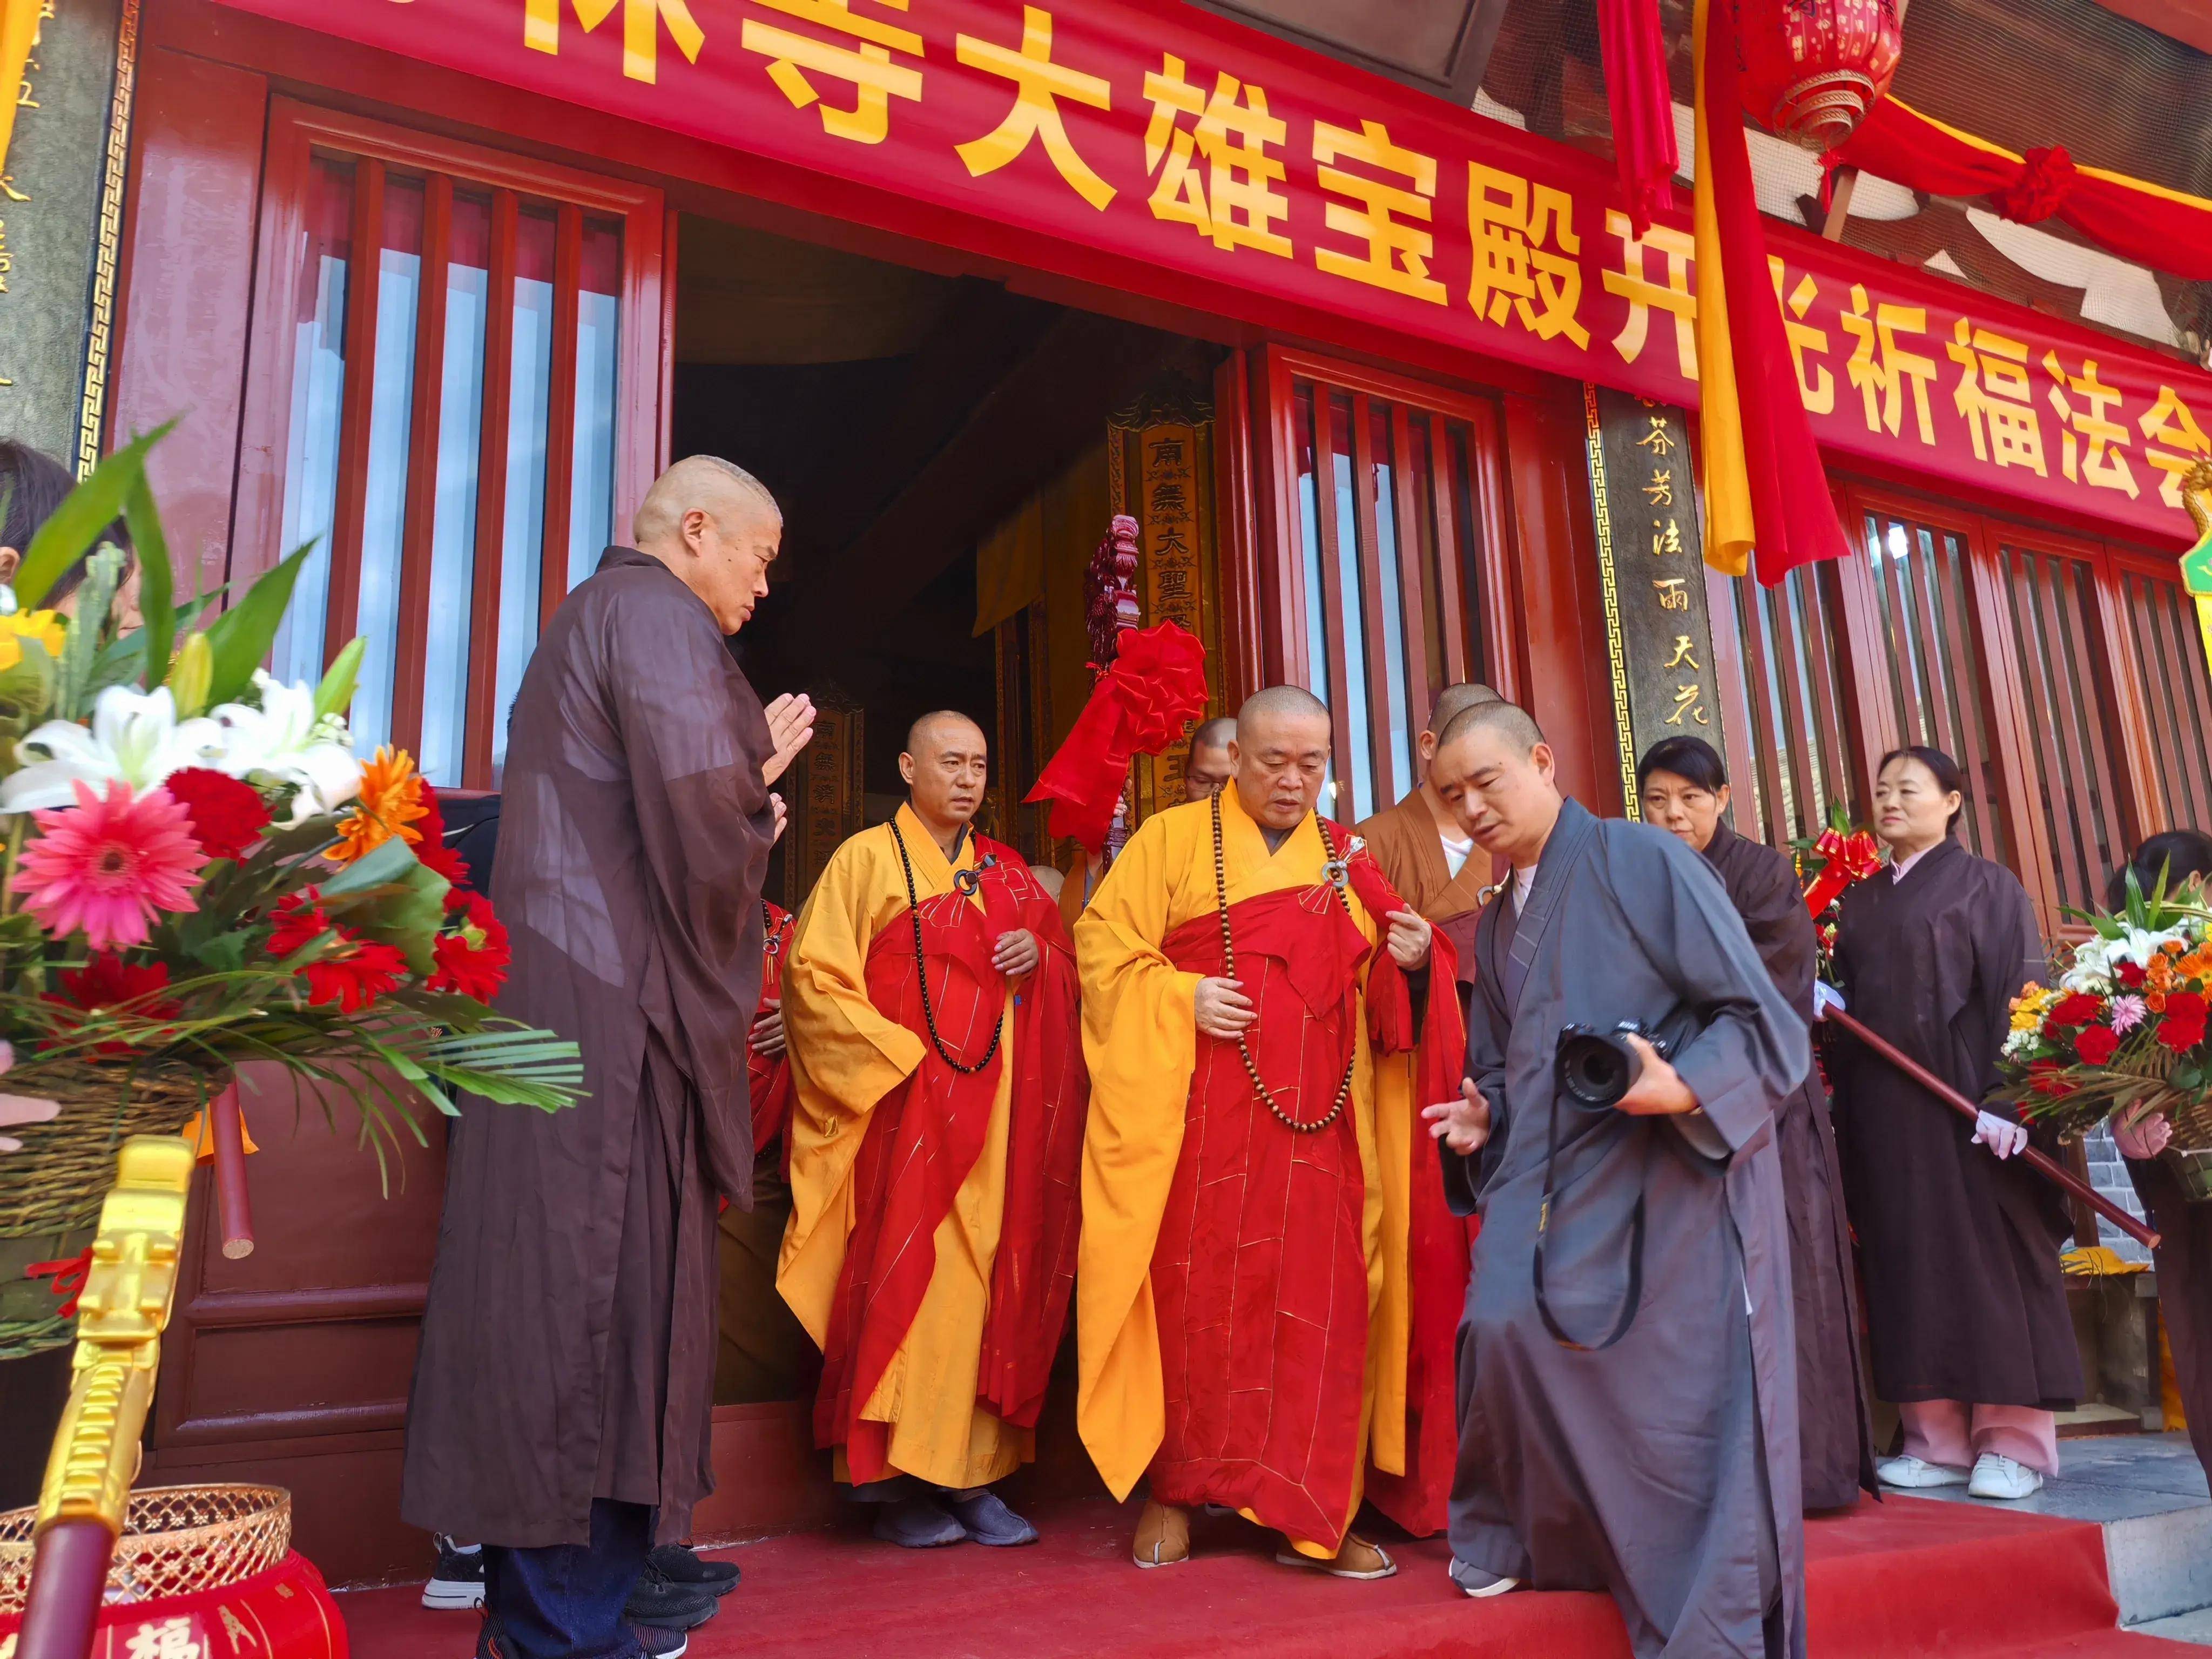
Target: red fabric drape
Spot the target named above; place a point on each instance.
(768, 1076)
(1034, 1274)
(1793, 515)
(2167, 232)
(1634, 53)
(1156, 684)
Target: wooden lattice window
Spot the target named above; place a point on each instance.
(2170, 648)
(455, 389)
(1791, 757)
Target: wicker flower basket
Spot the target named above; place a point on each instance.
(50, 1190)
(177, 1541)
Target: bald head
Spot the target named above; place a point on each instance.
(1451, 702)
(1494, 772)
(945, 766)
(1281, 753)
(1207, 769)
(717, 528)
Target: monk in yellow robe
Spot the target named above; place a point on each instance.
(1242, 964)
(929, 1001)
(1429, 860)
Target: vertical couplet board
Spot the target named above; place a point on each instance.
(1160, 457)
(1650, 552)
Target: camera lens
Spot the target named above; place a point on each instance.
(1597, 1068)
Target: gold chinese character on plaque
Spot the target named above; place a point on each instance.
(1526, 254)
(1234, 198)
(1672, 296)
(2172, 442)
(1818, 392)
(641, 24)
(1659, 490)
(868, 68)
(1993, 395)
(2090, 439)
(1039, 84)
(1881, 367)
(1673, 592)
(1685, 654)
(1666, 541)
(1689, 699)
(1397, 253)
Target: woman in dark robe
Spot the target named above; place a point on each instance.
(2183, 1259)
(1966, 1315)
(1684, 790)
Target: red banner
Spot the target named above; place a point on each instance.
(1165, 135)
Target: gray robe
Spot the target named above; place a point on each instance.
(1663, 1468)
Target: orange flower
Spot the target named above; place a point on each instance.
(2160, 975)
(2155, 1001)
(2172, 947)
(391, 801)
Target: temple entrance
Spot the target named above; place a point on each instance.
(948, 454)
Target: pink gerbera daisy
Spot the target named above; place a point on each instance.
(109, 866)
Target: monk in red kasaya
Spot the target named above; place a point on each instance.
(1243, 965)
(936, 1142)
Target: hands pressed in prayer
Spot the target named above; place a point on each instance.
(1017, 953)
(1658, 1091)
(1463, 1124)
(767, 1031)
(2000, 1134)
(1223, 1009)
(1410, 936)
(790, 725)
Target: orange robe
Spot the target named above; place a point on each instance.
(931, 1249)
(1415, 1441)
(1224, 1346)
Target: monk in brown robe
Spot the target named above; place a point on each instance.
(1684, 790)
(565, 1378)
(1426, 856)
(936, 1142)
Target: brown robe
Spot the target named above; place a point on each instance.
(2184, 1263)
(1404, 841)
(1965, 1301)
(1834, 1437)
(567, 1348)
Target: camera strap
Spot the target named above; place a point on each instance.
(1634, 1298)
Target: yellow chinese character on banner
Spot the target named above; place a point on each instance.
(1672, 594)
(1236, 202)
(1397, 256)
(641, 21)
(1666, 541)
(2180, 442)
(874, 78)
(1526, 254)
(1817, 392)
(1039, 83)
(1993, 394)
(1660, 492)
(1630, 282)
(1689, 699)
(2103, 466)
(1881, 367)
(1683, 654)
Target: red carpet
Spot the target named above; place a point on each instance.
(1907, 1577)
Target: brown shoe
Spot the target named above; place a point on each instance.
(1162, 1536)
(1357, 1558)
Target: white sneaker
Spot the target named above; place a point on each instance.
(1910, 1471)
(1998, 1476)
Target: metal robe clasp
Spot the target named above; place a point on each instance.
(1338, 871)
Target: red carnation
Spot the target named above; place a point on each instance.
(2049, 1080)
(228, 816)
(2186, 1005)
(352, 972)
(2129, 975)
(108, 981)
(432, 850)
(2180, 1035)
(472, 959)
(2097, 1045)
(2076, 1008)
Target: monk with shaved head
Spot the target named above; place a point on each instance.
(1207, 769)
(1242, 963)
(930, 1001)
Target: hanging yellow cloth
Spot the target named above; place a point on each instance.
(1720, 421)
(19, 30)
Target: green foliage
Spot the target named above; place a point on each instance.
(239, 638)
(157, 584)
(83, 516)
(74, 689)
(390, 896)
(335, 695)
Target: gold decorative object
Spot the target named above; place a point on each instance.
(120, 1315)
(177, 1541)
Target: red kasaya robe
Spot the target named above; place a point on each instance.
(769, 1075)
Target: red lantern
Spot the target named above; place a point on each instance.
(1812, 69)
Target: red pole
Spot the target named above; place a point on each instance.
(2043, 1165)
(69, 1576)
(236, 1209)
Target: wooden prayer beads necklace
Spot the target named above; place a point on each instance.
(1297, 1126)
(771, 936)
(921, 964)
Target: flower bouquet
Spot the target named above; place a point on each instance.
(1829, 864)
(198, 875)
(2123, 1032)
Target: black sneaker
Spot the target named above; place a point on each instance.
(658, 1599)
(659, 1643)
(458, 1581)
(680, 1563)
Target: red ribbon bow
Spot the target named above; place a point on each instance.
(2046, 181)
(1850, 858)
(1156, 684)
(69, 1274)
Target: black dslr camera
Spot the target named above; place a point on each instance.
(1597, 1068)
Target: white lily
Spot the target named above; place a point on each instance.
(282, 743)
(135, 735)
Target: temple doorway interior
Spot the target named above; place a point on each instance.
(948, 454)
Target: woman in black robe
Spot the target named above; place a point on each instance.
(1685, 789)
(2183, 1259)
(1966, 1315)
